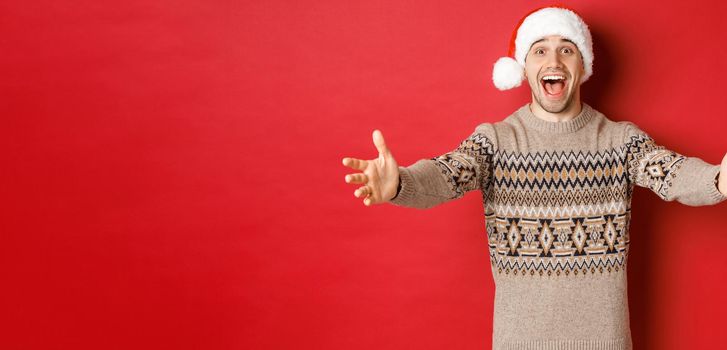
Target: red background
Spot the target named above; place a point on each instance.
(171, 170)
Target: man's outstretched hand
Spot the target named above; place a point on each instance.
(380, 176)
(722, 179)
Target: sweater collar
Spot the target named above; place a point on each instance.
(568, 126)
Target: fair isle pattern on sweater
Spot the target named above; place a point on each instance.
(557, 208)
(583, 237)
(655, 165)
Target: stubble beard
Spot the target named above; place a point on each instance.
(552, 107)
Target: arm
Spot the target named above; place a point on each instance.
(672, 176)
(430, 182)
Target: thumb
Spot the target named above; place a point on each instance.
(379, 142)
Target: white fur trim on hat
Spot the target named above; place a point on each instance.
(539, 24)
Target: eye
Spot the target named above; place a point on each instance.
(567, 50)
(539, 51)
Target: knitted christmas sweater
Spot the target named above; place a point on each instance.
(557, 204)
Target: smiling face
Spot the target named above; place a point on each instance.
(554, 68)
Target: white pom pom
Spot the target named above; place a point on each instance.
(507, 73)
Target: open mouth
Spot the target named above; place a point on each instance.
(553, 85)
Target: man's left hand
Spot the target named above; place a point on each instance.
(722, 181)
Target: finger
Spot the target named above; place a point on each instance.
(379, 142)
(356, 178)
(362, 191)
(367, 201)
(358, 164)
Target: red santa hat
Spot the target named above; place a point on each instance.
(509, 72)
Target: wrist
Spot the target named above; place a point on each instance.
(398, 188)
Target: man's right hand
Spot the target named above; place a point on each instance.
(380, 176)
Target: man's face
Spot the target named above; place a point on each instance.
(554, 68)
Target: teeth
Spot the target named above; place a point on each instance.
(553, 77)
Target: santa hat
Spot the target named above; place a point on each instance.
(509, 72)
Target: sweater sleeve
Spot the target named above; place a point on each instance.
(436, 180)
(672, 176)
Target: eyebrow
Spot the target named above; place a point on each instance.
(561, 39)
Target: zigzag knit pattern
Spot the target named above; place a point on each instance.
(558, 212)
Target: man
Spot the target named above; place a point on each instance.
(556, 178)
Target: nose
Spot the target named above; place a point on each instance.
(553, 60)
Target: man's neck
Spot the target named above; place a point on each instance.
(569, 113)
